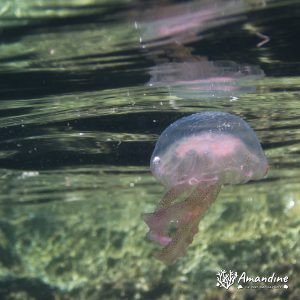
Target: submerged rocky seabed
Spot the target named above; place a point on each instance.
(97, 249)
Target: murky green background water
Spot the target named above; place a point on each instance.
(78, 123)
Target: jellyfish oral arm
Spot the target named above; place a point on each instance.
(183, 217)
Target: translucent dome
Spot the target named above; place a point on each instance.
(208, 146)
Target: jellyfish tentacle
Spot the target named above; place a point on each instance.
(171, 195)
(165, 215)
(194, 207)
(179, 242)
(158, 221)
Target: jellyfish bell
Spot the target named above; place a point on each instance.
(208, 145)
(199, 154)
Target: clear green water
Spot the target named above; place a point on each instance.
(78, 124)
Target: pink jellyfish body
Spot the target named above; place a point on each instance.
(193, 158)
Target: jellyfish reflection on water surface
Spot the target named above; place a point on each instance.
(196, 155)
(208, 79)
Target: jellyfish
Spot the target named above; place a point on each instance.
(193, 158)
